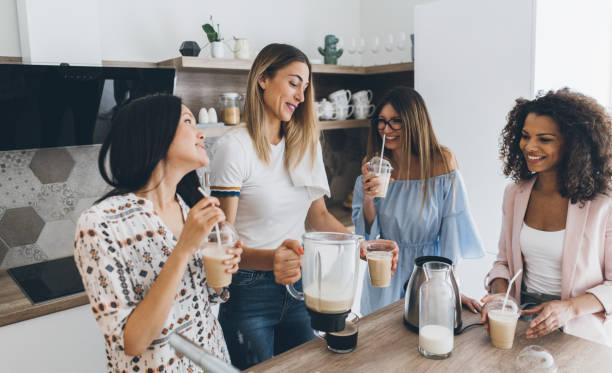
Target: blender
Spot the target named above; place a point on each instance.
(330, 266)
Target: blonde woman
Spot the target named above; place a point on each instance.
(270, 180)
(426, 207)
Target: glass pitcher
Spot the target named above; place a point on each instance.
(436, 312)
(330, 266)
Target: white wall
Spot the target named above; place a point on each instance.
(574, 47)
(152, 30)
(381, 18)
(9, 29)
(473, 58)
(67, 341)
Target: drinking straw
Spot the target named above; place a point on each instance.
(509, 287)
(382, 151)
(216, 225)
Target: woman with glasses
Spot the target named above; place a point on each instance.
(426, 207)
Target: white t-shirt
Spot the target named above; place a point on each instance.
(543, 256)
(271, 208)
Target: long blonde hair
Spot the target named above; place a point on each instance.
(302, 131)
(418, 136)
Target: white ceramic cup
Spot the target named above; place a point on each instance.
(326, 110)
(343, 111)
(363, 97)
(342, 96)
(364, 111)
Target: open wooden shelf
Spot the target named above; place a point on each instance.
(324, 125)
(226, 64)
(229, 64)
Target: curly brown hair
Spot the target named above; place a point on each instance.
(586, 167)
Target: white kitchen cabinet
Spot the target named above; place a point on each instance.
(67, 341)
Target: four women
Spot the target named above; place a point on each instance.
(137, 248)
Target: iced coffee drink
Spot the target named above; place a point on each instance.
(214, 253)
(380, 260)
(213, 257)
(502, 322)
(382, 170)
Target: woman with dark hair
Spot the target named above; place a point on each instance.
(426, 207)
(557, 215)
(137, 247)
(270, 179)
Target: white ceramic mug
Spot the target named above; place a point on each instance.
(363, 97)
(341, 96)
(343, 111)
(326, 110)
(364, 111)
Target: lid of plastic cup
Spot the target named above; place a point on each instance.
(535, 358)
(227, 234)
(376, 164)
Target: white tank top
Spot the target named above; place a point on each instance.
(542, 258)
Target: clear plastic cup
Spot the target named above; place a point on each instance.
(214, 253)
(379, 256)
(382, 170)
(535, 359)
(502, 321)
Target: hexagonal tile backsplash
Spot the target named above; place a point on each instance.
(42, 193)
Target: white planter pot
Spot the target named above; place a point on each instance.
(216, 49)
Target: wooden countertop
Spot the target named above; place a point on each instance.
(15, 306)
(385, 345)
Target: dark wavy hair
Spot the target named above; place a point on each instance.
(586, 166)
(140, 136)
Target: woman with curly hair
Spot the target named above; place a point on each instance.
(557, 215)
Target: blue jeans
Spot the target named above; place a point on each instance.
(261, 319)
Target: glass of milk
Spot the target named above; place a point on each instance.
(436, 312)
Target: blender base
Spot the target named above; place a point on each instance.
(327, 322)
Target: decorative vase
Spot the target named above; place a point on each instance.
(189, 48)
(216, 49)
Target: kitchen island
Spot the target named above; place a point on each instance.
(386, 345)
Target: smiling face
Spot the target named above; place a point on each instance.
(187, 148)
(541, 143)
(393, 139)
(285, 91)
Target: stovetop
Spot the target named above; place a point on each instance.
(42, 282)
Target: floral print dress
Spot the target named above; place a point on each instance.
(121, 246)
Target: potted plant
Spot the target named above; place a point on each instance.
(214, 37)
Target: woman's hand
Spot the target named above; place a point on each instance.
(395, 251)
(471, 304)
(552, 315)
(287, 262)
(200, 221)
(236, 253)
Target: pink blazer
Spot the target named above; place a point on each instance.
(587, 256)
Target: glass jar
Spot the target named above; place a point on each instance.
(436, 312)
(230, 104)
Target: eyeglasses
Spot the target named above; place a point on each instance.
(394, 123)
